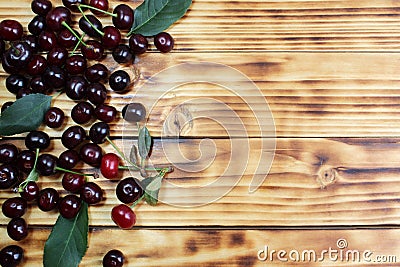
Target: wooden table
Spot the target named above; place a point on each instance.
(329, 71)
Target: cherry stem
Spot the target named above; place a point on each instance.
(120, 153)
(74, 33)
(74, 172)
(137, 201)
(17, 51)
(28, 179)
(91, 24)
(98, 9)
(77, 44)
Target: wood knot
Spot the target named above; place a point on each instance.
(326, 176)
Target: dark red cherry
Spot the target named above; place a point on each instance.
(68, 159)
(37, 85)
(46, 164)
(37, 65)
(123, 216)
(105, 113)
(32, 41)
(11, 30)
(91, 193)
(76, 64)
(164, 42)
(124, 17)
(16, 82)
(54, 117)
(75, 87)
(119, 81)
(99, 132)
(111, 37)
(91, 154)
(57, 56)
(123, 54)
(56, 17)
(11, 256)
(37, 25)
(82, 112)
(47, 40)
(19, 54)
(67, 39)
(69, 206)
(14, 207)
(73, 136)
(113, 258)
(37, 140)
(30, 191)
(41, 7)
(90, 28)
(54, 77)
(9, 176)
(93, 50)
(96, 93)
(73, 182)
(96, 73)
(129, 190)
(48, 199)
(109, 165)
(17, 229)
(8, 153)
(99, 4)
(138, 44)
(26, 160)
(73, 4)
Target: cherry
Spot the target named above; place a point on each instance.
(11, 30)
(122, 54)
(54, 77)
(58, 17)
(138, 44)
(124, 17)
(105, 113)
(88, 28)
(113, 258)
(17, 229)
(41, 7)
(48, 199)
(67, 39)
(37, 65)
(96, 93)
(37, 140)
(32, 41)
(93, 50)
(123, 216)
(111, 37)
(82, 112)
(19, 54)
(134, 112)
(119, 81)
(75, 64)
(37, 85)
(75, 87)
(91, 193)
(26, 160)
(69, 206)
(11, 256)
(14, 207)
(9, 176)
(30, 191)
(46, 164)
(164, 42)
(99, 132)
(73, 182)
(8, 153)
(47, 40)
(57, 56)
(16, 82)
(91, 154)
(68, 159)
(54, 117)
(7, 66)
(73, 136)
(99, 4)
(6, 105)
(129, 190)
(73, 4)
(109, 165)
(37, 25)
(96, 73)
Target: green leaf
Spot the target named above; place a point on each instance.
(155, 16)
(144, 142)
(152, 187)
(26, 114)
(133, 154)
(67, 243)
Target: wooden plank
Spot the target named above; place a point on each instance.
(273, 25)
(309, 95)
(219, 247)
(311, 182)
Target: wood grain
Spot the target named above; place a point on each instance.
(227, 247)
(309, 95)
(316, 182)
(243, 25)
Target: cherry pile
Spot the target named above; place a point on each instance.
(54, 56)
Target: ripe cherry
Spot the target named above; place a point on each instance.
(54, 117)
(30, 191)
(14, 207)
(73, 136)
(109, 165)
(113, 258)
(8, 153)
(73, 182)
(82, 112)
(57, 17)
(138, 44)
(99, 132)
(37, 140)
(17, 229)
(11, 256)
(164, 42)
(46, 164)
(111, 37)
(99, 4)
(90, 28)
(91, 154)
(69, 206)
(129, 190)
(96, 73)
(93, 50)
(41, 7)
(48, 199)
(9, 176)
(96, 93)
(75, 87)
(123, 216)
(105, 113)
(124, 17)
(26, 160)
(47, 40)
(11, 30)
(68, 159)
(91, 193)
